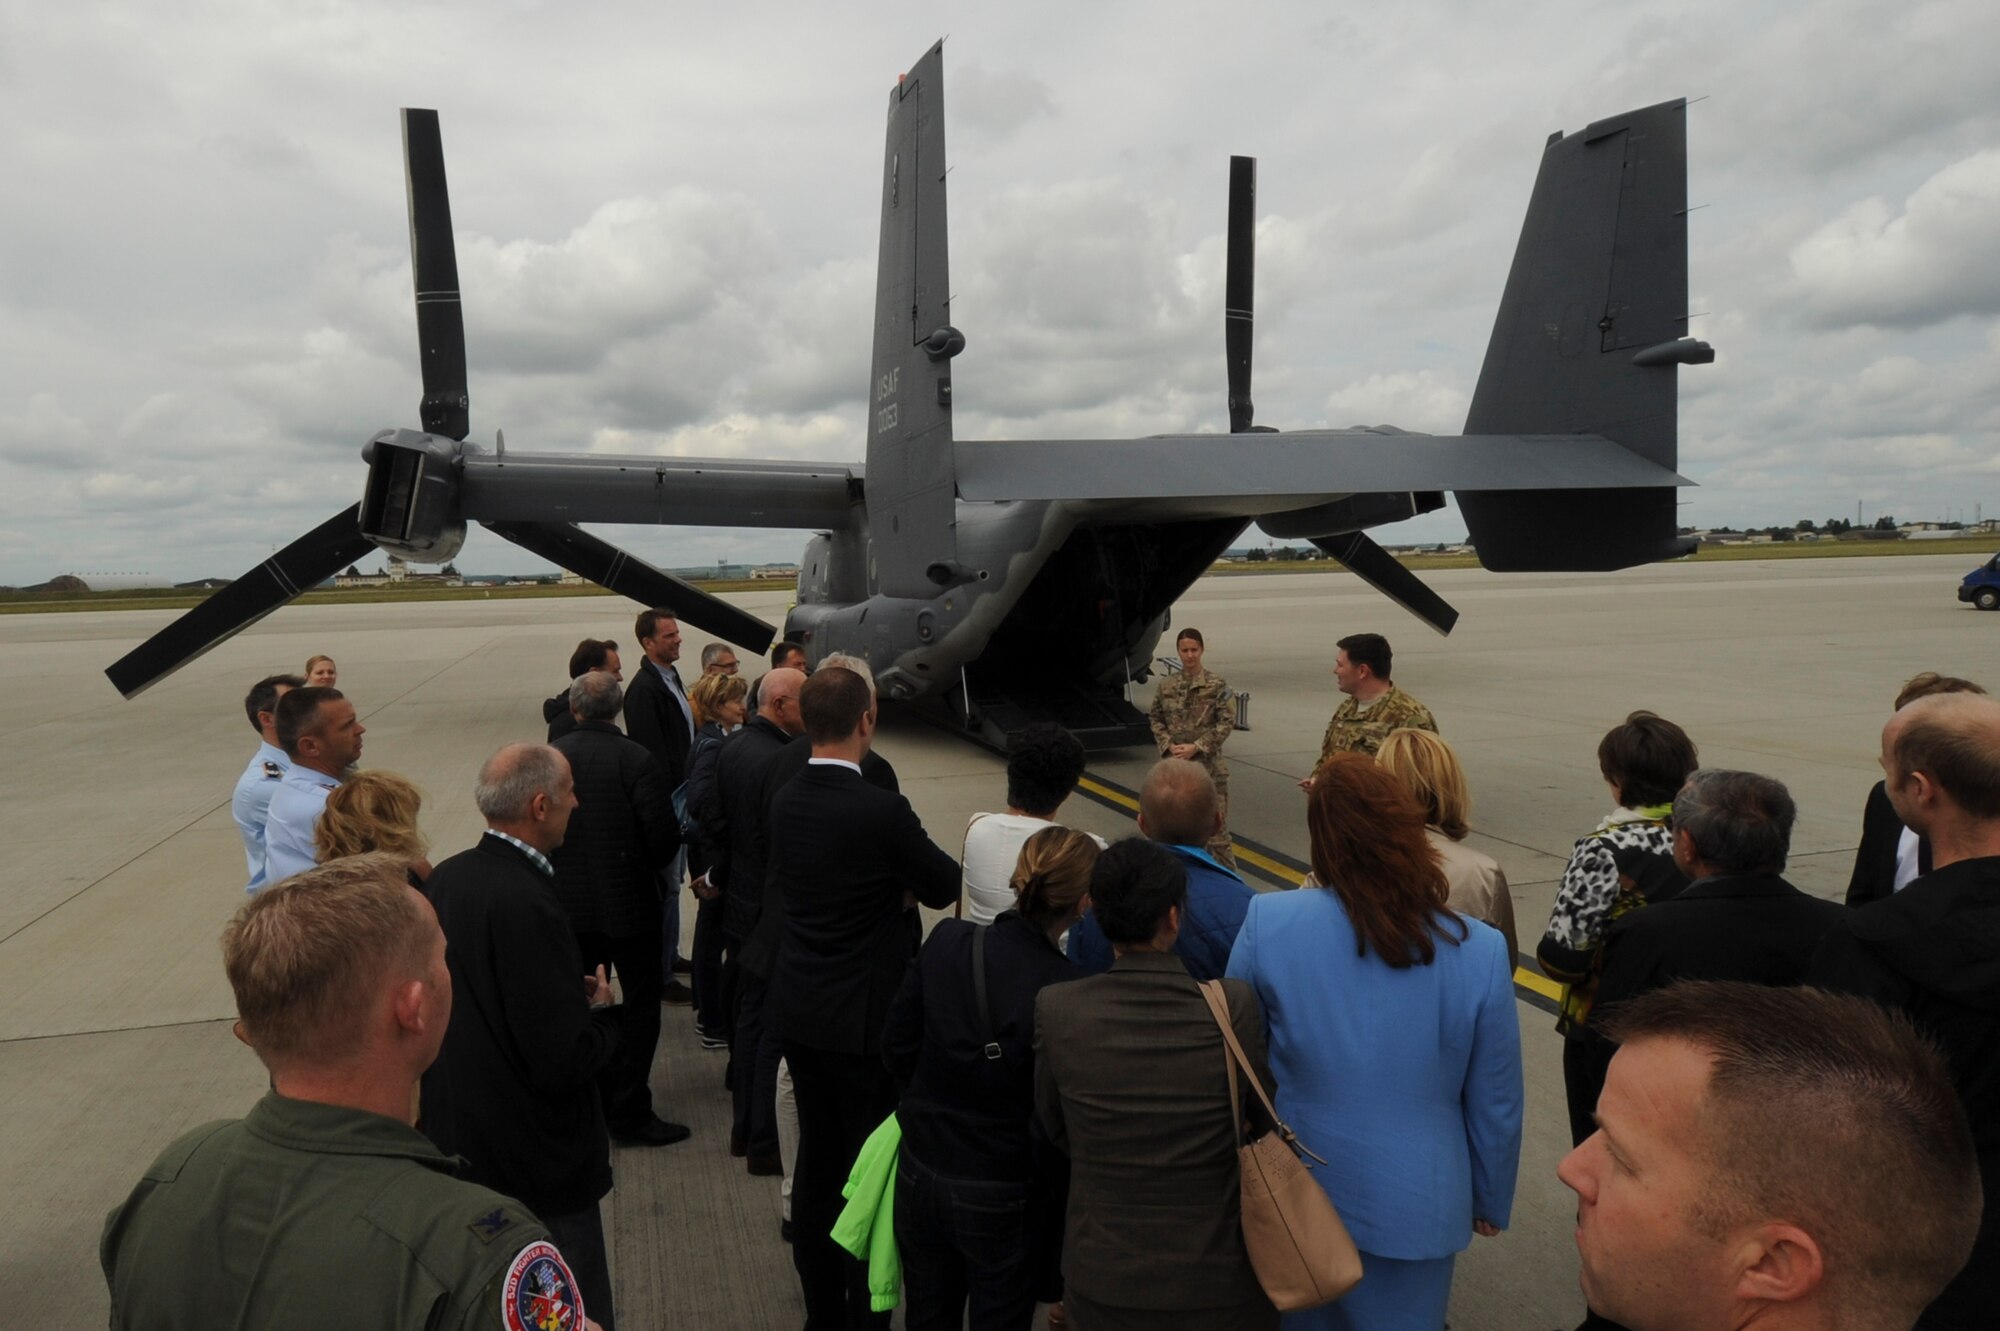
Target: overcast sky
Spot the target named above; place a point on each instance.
(666, 233)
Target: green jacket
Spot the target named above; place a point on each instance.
(867, 1225)
(307, 1216)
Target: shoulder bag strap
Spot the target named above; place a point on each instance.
(1218, 1008)
(992, 1047)
(1218, 1003)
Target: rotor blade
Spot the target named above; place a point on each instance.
(300, 566)
(446, 409)
(1239, 298)
(575, 549)
(1379, 569)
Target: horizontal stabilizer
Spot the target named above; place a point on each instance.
(587, 556)
(1296, 466)
(1379, 569)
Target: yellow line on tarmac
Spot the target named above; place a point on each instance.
(1523, 977)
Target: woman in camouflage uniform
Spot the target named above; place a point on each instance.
(1193, 713)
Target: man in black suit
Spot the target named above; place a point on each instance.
(1737, 919)
(514, 1089)
(657, 715)
(850, 860)
(1930, 949)
(620, 839)
(733, 836)
(1890, 854)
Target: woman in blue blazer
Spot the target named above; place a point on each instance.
(1395, 1046)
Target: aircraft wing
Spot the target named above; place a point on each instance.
(1297, 466)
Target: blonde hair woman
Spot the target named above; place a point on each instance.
(975, 1217)
(321, 672)
(1428, 767)
(718, 700)
(371, 812)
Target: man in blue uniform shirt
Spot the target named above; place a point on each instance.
(321, 735)
(251, 804)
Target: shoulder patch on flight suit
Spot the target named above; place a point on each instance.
(491, 1225)
(539, 1293)
(273, 771)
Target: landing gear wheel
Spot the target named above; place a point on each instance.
(1987, 598)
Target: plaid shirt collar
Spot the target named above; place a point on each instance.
(541, 861)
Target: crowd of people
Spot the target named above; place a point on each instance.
(1782, 1108)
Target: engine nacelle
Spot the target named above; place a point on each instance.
(411, 506)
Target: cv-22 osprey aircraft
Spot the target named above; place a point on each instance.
(1002, 582)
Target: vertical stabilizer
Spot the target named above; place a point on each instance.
(910, 485)
(1589, 334)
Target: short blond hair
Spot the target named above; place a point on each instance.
(371, 811)
(711, 693)
(307, 958)
(1427, 765)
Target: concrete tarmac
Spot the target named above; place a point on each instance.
(122, 864)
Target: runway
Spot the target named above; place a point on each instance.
(121, 862)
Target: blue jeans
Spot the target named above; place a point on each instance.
(967, 1259)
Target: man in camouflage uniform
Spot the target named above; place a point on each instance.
(1193, 713)
(324, 1207)
(1373, 706)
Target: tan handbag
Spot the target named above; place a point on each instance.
(1300, 1250)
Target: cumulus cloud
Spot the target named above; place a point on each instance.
(1935, 258)
(666, 232)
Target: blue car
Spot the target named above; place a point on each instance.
(1982, 585)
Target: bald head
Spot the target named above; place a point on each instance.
(778, 698)
(1946, 745)
(1177, 804)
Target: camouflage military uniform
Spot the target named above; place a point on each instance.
(1357, 729)
(1201, 711)
(307, 1215)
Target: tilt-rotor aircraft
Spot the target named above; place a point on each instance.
(1003, 582)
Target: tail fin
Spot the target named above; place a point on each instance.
(1590, 330)
(911, 484)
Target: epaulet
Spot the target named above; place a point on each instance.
(273, 771)
(168, 1165)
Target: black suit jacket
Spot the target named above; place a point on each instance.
(760, 953)
(513, 1088)
(1130, 1082)
(1933, 950)
(732, 826)
(1874, 876)
(1757, 928)
(843, 854)
(622, 834)
(654, 718)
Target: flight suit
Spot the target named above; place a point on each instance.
(1355, 729)
(1199, 710)
(305, 1216)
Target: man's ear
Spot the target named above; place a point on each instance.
(236, 1029)
(408, 1005)
(1779, 1263)
(1144, 830)
(538, 806)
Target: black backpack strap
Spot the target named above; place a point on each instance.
(992, 1047)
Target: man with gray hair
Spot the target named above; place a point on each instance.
(1737, 919)
(719, 658)
(1933, 949)
(514, 1087)
(621, 837)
